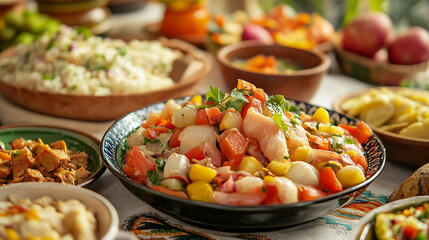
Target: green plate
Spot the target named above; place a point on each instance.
(75, 140)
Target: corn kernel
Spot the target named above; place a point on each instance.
(11, 234)
(302, 153)
(200, 191)
(268, 179)
(201, 173)
(279, 167)
(351, 153)
(231, 120)
(197, 99)
(250, 165)
(331, 129)
(32, 214)
(350, 175)
(321, 115)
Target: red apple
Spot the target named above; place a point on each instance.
(367, 33)
(410, 47)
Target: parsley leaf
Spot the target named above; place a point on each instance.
(160, 163)
(349, 141)
(277, 117)
(215, 95)
(148, 140)
(236, 100)
(153, 177)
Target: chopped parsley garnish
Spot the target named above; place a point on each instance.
(122, 52)
(278, 105)
(277, 117)
(349, 141)
(148, 140)
(237, 99)
(154, 177)
(160, 163)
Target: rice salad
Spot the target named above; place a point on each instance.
(76, 62)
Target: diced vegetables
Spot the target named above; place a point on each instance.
(350, 175)
(201, 173)
(245, 148)
(279, 167)
(250, 165)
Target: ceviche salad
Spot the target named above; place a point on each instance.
(245, 148)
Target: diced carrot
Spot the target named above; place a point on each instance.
(271, 196)
(174, 141)
(361, 132)
(154, 132)
(201, 118)
(161, 122)
(179, 194)
(234, 145)
(137, 165)
(5, 156)
(307, 193)
(253, 102)
(219, 20)
(260, 95)
(244, 85)
(328, 181)
(214, 115)
(195, 153)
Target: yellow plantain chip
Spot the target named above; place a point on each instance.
(379, 115)
(417, 130)
(395, 128)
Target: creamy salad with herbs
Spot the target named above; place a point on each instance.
(76, 62)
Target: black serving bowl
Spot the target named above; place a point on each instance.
(234, 218)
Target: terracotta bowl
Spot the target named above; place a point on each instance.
(300, 85)
(378, 72)
(400, 149)
(105, 108)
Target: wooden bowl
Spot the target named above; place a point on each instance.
(401, 149)
(105, 108)
(299, 85)
(378, 72)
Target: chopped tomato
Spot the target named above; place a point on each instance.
(234, 145)
(253, 102)
(179, 194)
(328, 181)
(137, 165)
(201, 118)
(236, 198)
(307, 193)
(361, 132)
(259, 94)
(271, 194)
(214, 115)
(154, 132)
(174, 141)
(410, 231)
(195, 153)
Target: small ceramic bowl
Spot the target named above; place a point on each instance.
(365, 227)
(75, 140)
(105, 212)
(300, 84)
(227, 217)
(410, 151)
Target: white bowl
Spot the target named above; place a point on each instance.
(105, 212)
(364, 228)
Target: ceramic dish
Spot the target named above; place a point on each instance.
(401, 149)
(233, 218)
(364, 230)
(300, 84)
(75, 140)
(105, 212)
(105, 108)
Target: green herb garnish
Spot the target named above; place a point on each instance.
(148, 140)
(154, 177)
(237, 99)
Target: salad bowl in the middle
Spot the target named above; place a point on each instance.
(244, 160)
